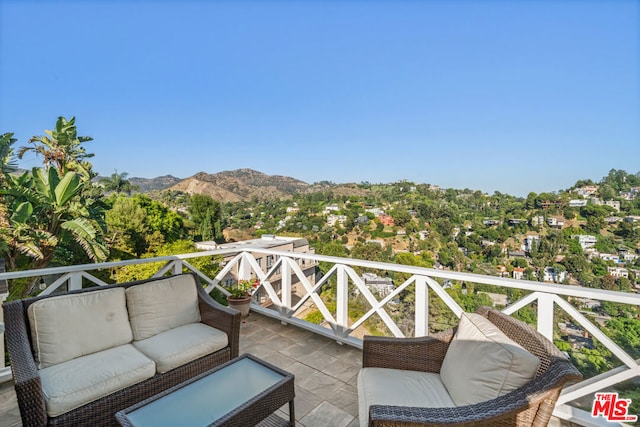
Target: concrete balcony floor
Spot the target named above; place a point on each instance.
(326, 372)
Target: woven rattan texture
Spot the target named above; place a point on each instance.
(102, 411)
(530, 405)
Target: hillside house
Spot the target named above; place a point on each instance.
(618, 272)
(556, 221)
(577, 203)
(631, 218)
(550, 274)
(551, 204)
(530, 242)
(610, 257)
(332, 219)
(536, 220)
(518, 273)
(386, 220)
(612, 219)
(586, 241)
(423, 234)
(330, 208)
(375, 211)
(361, 220)
(615, 204)
(383, 286)
(587, 190)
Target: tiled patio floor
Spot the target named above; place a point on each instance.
(326, 391)
(325, 373)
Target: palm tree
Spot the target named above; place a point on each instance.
(118, 183)
(46, 209)
(62, 148)
(7, 159)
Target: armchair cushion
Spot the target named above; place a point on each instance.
(398, 387)
(181, 345)
(74, 383)
(482, 363)
(161, 305)
(68, 326)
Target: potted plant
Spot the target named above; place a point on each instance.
(240, 295)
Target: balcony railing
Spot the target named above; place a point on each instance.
(289, 303)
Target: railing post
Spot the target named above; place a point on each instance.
(285, 284)
(75, 281)
(422, 307)
(244, 268)
(342, 300)
(545, 315)
(177, 267)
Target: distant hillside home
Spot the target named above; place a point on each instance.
(577, 203)
(423, 234)
(618, 272)
(363, 219)
(491, 222)
(587, 190)
(518, 273)
(386, 220)
(631, 218)
(612, 219)
(530, 242)
(551, 203)
(517, 254)
(383, 286)
(628, 195)
(375, 211)
(586, 241)
(536, 220)
(330, 208)
(615, 204)
(293, 209)
(556, 221)
(610, 257)
(549, 274)
(333, 219)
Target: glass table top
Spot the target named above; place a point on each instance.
(208, 399)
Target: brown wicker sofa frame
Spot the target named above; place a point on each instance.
(530, 405)
(101, 412)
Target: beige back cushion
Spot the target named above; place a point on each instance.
(161, 305)
(482, 363)
(69, 326)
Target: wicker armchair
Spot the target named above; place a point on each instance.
(530, 405)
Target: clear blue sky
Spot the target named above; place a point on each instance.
(514, 96)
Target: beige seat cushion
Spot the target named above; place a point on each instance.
(181, 345)
(70, 326)
(74, 383)
(482, 363)
(161, 305)
(380, 386)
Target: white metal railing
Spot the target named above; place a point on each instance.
(340, 326)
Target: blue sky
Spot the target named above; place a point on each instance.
(513, 96)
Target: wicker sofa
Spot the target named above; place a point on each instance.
(452, 380)
(79, 357)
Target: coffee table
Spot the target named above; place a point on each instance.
(245, 391)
